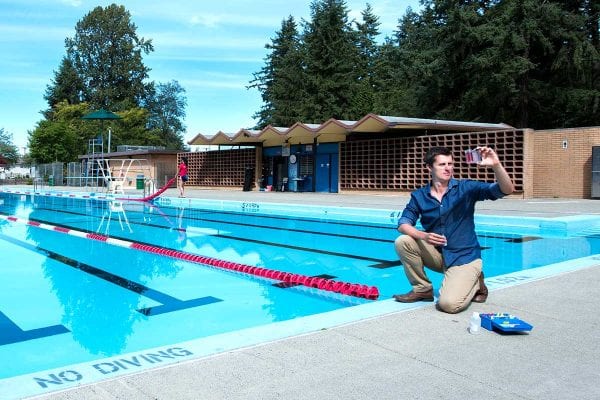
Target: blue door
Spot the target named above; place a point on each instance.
(327, 171)
(333, 173)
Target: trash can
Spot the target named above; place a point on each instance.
(139, 182)
(248, 179)
(51, 180)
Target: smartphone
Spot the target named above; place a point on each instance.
(472, 156)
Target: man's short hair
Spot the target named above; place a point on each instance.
(433, 152)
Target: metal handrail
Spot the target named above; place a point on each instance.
(38, 184)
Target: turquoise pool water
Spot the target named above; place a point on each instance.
(75, 310)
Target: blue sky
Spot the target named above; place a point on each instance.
(210, 48)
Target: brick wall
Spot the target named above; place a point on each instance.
(563, 162)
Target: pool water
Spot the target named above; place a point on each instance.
(66, 300)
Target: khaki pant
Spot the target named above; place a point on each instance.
(460, 282)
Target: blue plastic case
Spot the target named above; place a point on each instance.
(504, 322)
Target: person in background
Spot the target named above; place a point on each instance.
(448, 243)
(182, 177)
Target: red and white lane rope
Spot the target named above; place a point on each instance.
(348, 289)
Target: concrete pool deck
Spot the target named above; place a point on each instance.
(406, 354)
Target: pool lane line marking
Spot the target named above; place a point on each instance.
(276, 228)
(377, 262)
(110, 197)
(345, 288)
(11, 333)
(168, 303)
(380, 263)
(226, 212)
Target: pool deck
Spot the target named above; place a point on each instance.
(409, 354)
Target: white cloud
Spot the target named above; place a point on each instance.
(217, 14)
(209, 21)
(72, 3)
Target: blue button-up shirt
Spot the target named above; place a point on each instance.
(452, 217)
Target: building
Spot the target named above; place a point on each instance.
(129, 164)
(375, 153)
(381, 153)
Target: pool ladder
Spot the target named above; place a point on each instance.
(149, 187)
(38, 184)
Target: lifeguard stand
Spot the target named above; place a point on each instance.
(93, 174)
(119, 174)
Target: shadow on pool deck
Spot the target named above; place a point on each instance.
(415, 354)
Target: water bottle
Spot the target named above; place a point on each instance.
(475, 323)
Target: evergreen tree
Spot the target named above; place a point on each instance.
(519, 62)
(530, 71)
(405, 67)
(367, 32)
(523, 62)
(281, 81)
(331, 57)
(66, 85)
(575, 71)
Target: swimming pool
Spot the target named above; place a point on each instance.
(74, 309)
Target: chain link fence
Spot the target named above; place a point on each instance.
(52, 174)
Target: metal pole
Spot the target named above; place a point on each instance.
(109, 132)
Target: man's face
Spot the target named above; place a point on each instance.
(442, 168)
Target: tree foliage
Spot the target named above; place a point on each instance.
(103, 68)
(8, 151)
(331, 58)
(523, 62)
(63, 136)
(67, 85)
(166, 107)
(107, 54)
(281, 81)
(366, 42)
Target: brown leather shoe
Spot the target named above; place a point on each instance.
(412, 296)
(482, 294)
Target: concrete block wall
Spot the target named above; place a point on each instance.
(219, 168)
(397, 163)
